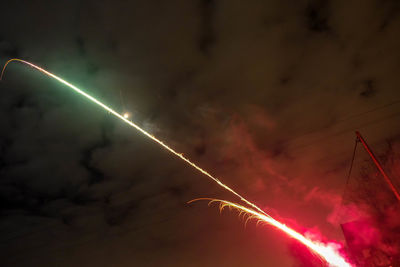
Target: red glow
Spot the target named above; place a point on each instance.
(329, 252)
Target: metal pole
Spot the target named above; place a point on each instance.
(387, 179)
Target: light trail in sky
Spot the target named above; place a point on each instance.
(324, 252)
(327, 252)
(125, 119)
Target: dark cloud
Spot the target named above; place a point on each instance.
(207, 37)
(8, 49)
(317, 17)
(368, 89)
(265, 96)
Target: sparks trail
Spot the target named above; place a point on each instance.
(134, 125)
(325, 251)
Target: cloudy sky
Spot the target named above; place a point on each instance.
(266, 95)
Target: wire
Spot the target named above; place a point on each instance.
(348, 175)
(289, 140)
(362, 125)
(352, 161)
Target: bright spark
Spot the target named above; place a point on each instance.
(323, 251)
(126, 115)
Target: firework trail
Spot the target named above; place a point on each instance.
(324, 251)
(257, 212)
(134, 125)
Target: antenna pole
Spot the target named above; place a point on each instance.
(387, 179)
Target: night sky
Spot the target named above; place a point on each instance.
(265, 95)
